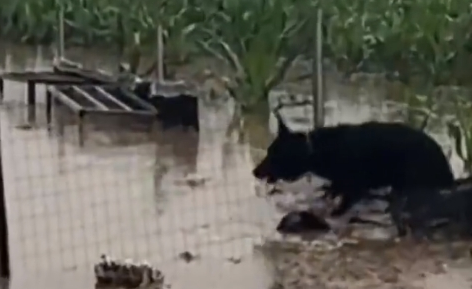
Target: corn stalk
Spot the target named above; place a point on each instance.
(460, 130)
(256, 40)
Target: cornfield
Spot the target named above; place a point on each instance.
(431, 38)
(424, 43)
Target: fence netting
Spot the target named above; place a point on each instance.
(172, 198)
(183, 201)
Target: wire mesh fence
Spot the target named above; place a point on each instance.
(173, 198)
(184, 201)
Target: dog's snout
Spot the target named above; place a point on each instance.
(259, 173)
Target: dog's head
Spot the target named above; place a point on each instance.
(287, 157)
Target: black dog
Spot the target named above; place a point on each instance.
(302, 222)
(449, 208)
(358, 158)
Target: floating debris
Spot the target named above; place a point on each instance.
(192, 181)
(234, 260)
(187, 256)
(26, 126)
(127, 274)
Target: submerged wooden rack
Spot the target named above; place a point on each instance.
(97, 99)
(59, 75)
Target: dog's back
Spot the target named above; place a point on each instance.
(376, 154)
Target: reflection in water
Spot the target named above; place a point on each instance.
(176, 158)
(141, 200)
(181, 148)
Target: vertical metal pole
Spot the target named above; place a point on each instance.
(4, 246)
(80, 128)
(160, 54)
(7, 67)
(48, 108)
(121, 38)
(2, 89)
(317, 80)
(59, 110)
(60, 31)
(154, 138)
(31, 102)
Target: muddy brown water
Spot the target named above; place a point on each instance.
(67, 205)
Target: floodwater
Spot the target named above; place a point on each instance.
(67, 205)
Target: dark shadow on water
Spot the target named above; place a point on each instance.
(179, 145)
(176, 154)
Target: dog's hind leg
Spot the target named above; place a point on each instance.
(349, 199)
(396, 213)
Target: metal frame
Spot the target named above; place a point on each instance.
(32, 78)
(54, 94)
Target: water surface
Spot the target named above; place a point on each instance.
(67, 205)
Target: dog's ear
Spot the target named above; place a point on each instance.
(282, 128)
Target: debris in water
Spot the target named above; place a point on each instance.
(187, 256)
(192, 181)
(234, 260)
(26, 126)
(109, 272)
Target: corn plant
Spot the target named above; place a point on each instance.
(181, 20)
(423, 37)
(258, 40)
(26, 20)
(426, 39)
(255, 39)
(419, 110)
(460, 130)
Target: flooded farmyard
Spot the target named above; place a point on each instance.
(187, 193)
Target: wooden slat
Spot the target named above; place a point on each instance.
(113, 98)
(90, 98)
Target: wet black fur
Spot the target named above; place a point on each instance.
(357, 158)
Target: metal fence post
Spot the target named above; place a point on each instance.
(60, 33)
(4, 246)
(317, 80)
